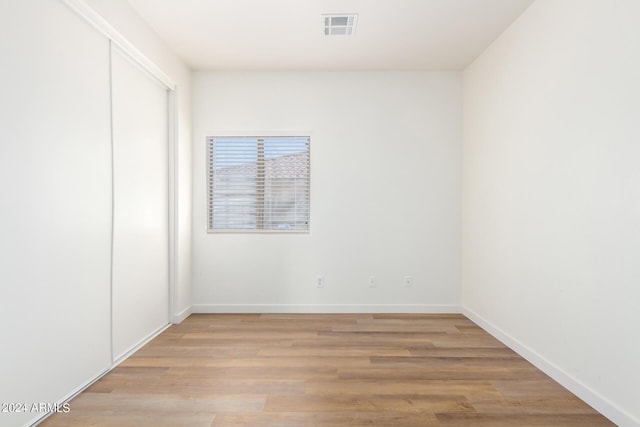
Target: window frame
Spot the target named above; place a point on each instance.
(266, 135)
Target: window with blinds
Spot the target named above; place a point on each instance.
(258, 183)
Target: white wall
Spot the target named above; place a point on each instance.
(385, 192)
(551, 201)
(127, 22)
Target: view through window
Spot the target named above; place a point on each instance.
(258, 183)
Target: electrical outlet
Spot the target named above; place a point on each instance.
(408, 281)
(372, 282)
(320, 282)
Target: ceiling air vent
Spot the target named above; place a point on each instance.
(340, 24)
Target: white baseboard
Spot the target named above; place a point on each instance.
(597, 401)
(178, 318)
(325, 308)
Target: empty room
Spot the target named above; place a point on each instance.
(320, 213)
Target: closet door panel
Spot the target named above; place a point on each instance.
(55, 205)
(140, 229)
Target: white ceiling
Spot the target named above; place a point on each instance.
(288, 34)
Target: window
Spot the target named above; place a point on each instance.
(258, 183)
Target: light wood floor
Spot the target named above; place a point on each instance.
(326, 370)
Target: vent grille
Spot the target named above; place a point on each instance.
(340, 24)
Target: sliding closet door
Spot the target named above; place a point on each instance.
(140, 229)
(55, 206)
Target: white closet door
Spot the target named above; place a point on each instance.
(55, 205)
(140, 229)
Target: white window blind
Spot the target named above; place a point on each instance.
(258, 183)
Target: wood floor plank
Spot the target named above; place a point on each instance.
(476, 389)
(310, 362)
(397, 327)
(200, 386)
(168, 403)
(367, 403)
(511, 420)
(450, 362)
(419, 339)
(441, 373)
(254, 372)
(327, 419)
(453, 352)
(530, 405)
(533, 388)
(117, 419)
(160, 349)
(345, 351)
(326, 370)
